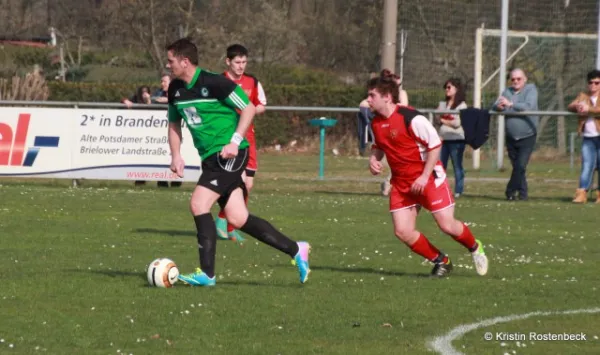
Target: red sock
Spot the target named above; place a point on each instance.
(424, 248)
(467, 239)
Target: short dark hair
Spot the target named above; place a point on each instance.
(385, 83)
(184, 48)
(236, 50)
(593, 74)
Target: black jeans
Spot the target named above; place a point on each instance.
(519, 152)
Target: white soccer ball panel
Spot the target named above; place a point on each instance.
(162, 272)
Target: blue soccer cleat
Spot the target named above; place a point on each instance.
(221, 224)
(235, 236)
(301, 261)
(198, 278)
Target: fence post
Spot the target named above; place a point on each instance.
(74, 182)
(572, 137)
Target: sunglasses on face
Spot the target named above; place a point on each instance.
(594, 82)
(516, 79)
(448, 87)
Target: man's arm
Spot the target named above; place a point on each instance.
(530, 104)
(233, 96)
(499, 105)
(573, 105)
(426, 135)
(174, 135)
(159, 98)
(375, 165)
(376, 153)
(432, 158)
(246, 117)
(261, 99)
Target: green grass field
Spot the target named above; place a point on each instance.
(73, 269)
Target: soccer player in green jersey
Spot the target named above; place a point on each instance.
(207, 102)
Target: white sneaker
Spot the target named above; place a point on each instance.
(480, 260)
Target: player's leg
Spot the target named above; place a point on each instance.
(439, 201)
(215, 181)
(226, 230)
(201, 202)
(404, 217)
(512, 185)
(238, 215)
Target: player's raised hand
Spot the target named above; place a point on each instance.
(229, 151)
(418, 187)
(177, 166)
(375, 166)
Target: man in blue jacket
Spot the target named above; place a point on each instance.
(521, 130)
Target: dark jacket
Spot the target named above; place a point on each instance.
(476, 124)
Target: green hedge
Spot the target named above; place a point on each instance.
(273, 127)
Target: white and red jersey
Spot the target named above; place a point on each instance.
(406, 137)
(256, 94)
(251, 87)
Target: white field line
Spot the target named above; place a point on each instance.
(443, 344)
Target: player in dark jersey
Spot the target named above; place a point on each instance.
(207, 102)
(236, 60)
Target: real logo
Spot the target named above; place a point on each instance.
(12, 146)
(204, 92)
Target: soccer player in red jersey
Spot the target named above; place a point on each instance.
(412, 148)
(236, 61)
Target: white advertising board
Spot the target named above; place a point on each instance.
(90, 144)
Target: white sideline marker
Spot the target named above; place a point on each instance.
(443, 344)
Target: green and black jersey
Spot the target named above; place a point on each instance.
(208, 105)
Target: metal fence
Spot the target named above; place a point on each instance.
(490, 147)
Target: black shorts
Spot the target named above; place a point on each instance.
(223, 176)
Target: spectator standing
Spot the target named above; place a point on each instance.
(521, 130)
(451, 131)
(587, 107)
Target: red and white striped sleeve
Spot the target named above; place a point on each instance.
(425, 133)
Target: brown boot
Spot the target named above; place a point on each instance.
(580, 196)
(597, 196)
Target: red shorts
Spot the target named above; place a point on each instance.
(433, 198)
(252, 161)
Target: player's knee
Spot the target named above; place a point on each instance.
(404, 234)
(197, 207)
(237, 220)
(450, 226)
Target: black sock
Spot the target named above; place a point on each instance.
(266, 233)
(207, 242)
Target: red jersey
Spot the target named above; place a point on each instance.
(405, 137)
(251, 87)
